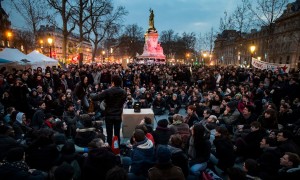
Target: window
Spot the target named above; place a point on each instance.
(288, 60)
(280, 60)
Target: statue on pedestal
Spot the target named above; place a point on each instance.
(151, 20)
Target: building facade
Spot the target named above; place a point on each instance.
(4, 29)
(74, 47)
(278, 43)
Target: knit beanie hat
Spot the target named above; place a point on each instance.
(163, 154)
(163, 123)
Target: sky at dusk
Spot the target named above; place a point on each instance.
(197, 16)
(179, 15)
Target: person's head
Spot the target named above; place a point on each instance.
(198, 131)
(159, 95)
(174, 96)
(273, 133)
(235, 173)
(163, 155)
(177, 118)
(163, 123)
(21, 117)
(9, 110)
(270, 114)
(62, 97)
(69, 106)
(96, 143)
(142, 127)
(267, 142)
(62, 125)
(206, 113)
(116, 80)
(86, 120)
(191, 109)
(284, 107)
(255, 126)
(290, 160)
(64, 172)
(176, 140)
(116, 173)
(250, 166)
(222, 131)
(139, 135)
(84, 79)
(231, 106)
(248, 110)
(42, 105)
(212, 119)
(283, 135)
(147, 120)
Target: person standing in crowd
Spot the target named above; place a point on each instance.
(114, 98)
(38, 117)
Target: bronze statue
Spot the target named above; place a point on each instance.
(151, 19)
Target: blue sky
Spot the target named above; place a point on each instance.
(197, 16)
(180, 15)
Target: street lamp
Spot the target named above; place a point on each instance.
(187, 57)
(9, 35)
(252, 49)
(50, 41)
(203, 59)
(103, 53)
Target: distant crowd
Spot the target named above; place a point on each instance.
(51, 126)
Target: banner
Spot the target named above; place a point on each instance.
(282, 68)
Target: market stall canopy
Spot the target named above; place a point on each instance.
(14, 55)
(40, 60)
(5, 61)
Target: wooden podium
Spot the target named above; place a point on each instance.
(130, 120)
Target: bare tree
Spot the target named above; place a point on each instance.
(168, 42)
(131, 41)
(103, 21)
(243, 17)
(226, 23)
(65, 9)
(266, 13)
(34, 13)
(25, 39)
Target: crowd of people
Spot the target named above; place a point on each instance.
(51, 122)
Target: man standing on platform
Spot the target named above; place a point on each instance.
(114, 99)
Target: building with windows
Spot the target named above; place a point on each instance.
(277, 43)
(50, 39)
(5, 33)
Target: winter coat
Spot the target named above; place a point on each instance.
(142, 157)
(224, 152)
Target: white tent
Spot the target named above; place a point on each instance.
(39, 60)
(14, 55)
(19, 59)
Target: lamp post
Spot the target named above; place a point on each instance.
(252, 49)
(103, 53)
(9, 35)
(50, 41)
(203, 59)
(187, 57)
